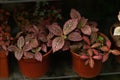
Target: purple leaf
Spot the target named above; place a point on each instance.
(57, 43)
(86, 30)
(69, 26)
(55, 29)
(74, 14)
(38, 56)
(74, 36)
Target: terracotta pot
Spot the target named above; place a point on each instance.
(4, 71)
(32, 68)
(83, 70)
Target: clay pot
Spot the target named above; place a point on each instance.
(31, 68)
(4, 69)
(85, 71)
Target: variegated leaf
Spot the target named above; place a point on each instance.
(86, 30)
(105, 57)
(57, 43)
(82, 22)
(38, 56)
(28, 55)
(18, 54)
(12, 48)
(74, 36)
(27, 47)
(115, 52)
(55, 29)
(93, 37)
(95, 45)
(50, 36)
(104, 48)
(69, 26)
(74, 14)
(20, 42)
(91, 63)
(44, 47)
(42, 37)
(34, 43)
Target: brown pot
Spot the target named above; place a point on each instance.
(4, 71)
(83, 70)
(32, 68)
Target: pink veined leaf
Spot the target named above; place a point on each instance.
(44, 48)
(82, 22)
(50, 36)
(97, 57)
(93, 37)
(74, 36)
(55, 29)
(105, 57)
(66, 46)
(86, 39)
(91, 63)
(43, 37)
(27, 47)
(38, 56)
(87, 62)
(34, 43)
(74, 14)
(95, 52)
(28, 55)
(108, 43)
(83, 57)
(115, 52)
(69, 26)
(29, 37)
(18, 54)
(104, 48)
(90, 52)
(57, 43)
(20, 42)
(86, 46)
(95, 45)
(86, 30)
(12, 48)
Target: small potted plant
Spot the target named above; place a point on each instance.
(5, 40)
(32, 51)
(89, 47)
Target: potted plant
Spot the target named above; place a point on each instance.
(89, 47)
(115, 35)
(32, 51)
(5, 39)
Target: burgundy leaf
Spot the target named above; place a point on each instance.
(28, 55)
(97, 57)
(104, 48)
(38, 56)
(74, 14)
(55, 29)
(86, 46)
(115, 52)
(18, 54)
(57, 43)
(105, 57)
(95, 52)
(66, 46)
(74, 36)
(20, 42)
(69, 26)
(91, 63)
(86, 39)
(86, 30)
(95, 45)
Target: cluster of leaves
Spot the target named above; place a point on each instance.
(83, 37)
(30, 43)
